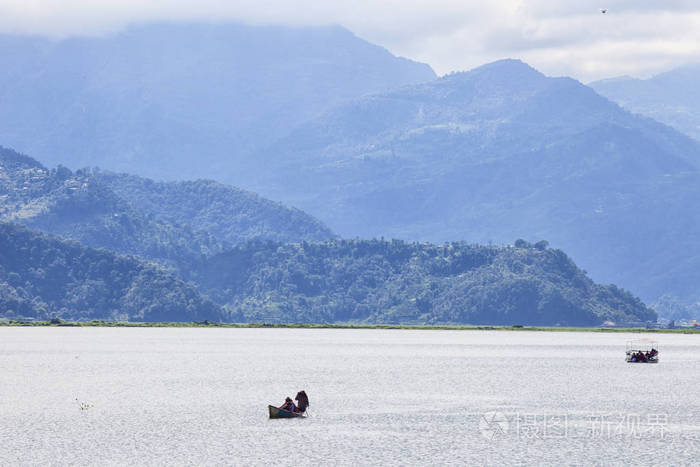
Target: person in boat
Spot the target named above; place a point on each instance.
(288, 405)
(302, 401)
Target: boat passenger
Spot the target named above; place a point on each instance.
(302, 401)
(288, 405)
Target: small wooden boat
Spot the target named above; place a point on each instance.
(276, 412)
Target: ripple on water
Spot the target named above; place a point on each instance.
(199, 396)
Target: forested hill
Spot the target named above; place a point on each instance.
(44, 277)
(76, 206)
(372, 281)
(164, 222)
(228, 213)
(376, 281)
(497, 153)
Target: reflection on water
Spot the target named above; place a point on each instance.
(199, 396)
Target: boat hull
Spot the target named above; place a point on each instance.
(276, 412)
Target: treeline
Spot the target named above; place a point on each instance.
(43, 278)
(340, 281)
(190, 228)
(377, 281)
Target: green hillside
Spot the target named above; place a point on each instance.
(42, 277)
(190, 227)
(497, 153)
(377, 281)
(228, 213)
(167, 222)
(360, 281)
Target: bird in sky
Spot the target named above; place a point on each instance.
(603, 10)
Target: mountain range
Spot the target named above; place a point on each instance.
(498, 153)
(368, 144)
(201, 250)
(181, 101)
(338, 281)
(230, 214)
(173, 223)
(672, 97)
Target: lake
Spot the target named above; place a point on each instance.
(199, 397)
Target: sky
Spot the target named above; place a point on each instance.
(558, 37)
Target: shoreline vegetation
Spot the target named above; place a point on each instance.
(447, 327)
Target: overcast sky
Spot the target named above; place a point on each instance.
(559, 37)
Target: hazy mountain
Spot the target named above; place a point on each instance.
(498, 153)
(672, 97)
(671, 308)
(380, 281)
(76, 206)
(337, 281)
(228, 213)
(43, 277)
(173, 223)
(181, 100)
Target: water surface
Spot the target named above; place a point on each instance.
(199, 396)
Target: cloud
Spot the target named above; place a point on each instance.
(559, 37)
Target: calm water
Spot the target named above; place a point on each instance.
(199, 396)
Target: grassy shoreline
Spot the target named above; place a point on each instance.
(207, 324)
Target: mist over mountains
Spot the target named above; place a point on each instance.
(363, 144)
(500, 152)
(181, 100)
(173, 223)
(201, 250)
(672, 97)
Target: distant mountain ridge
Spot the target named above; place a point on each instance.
(166, 222)
(370, 281)
(228, 213)
(672, 97)
(181, 101)
(375, 149)
(497, 153)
